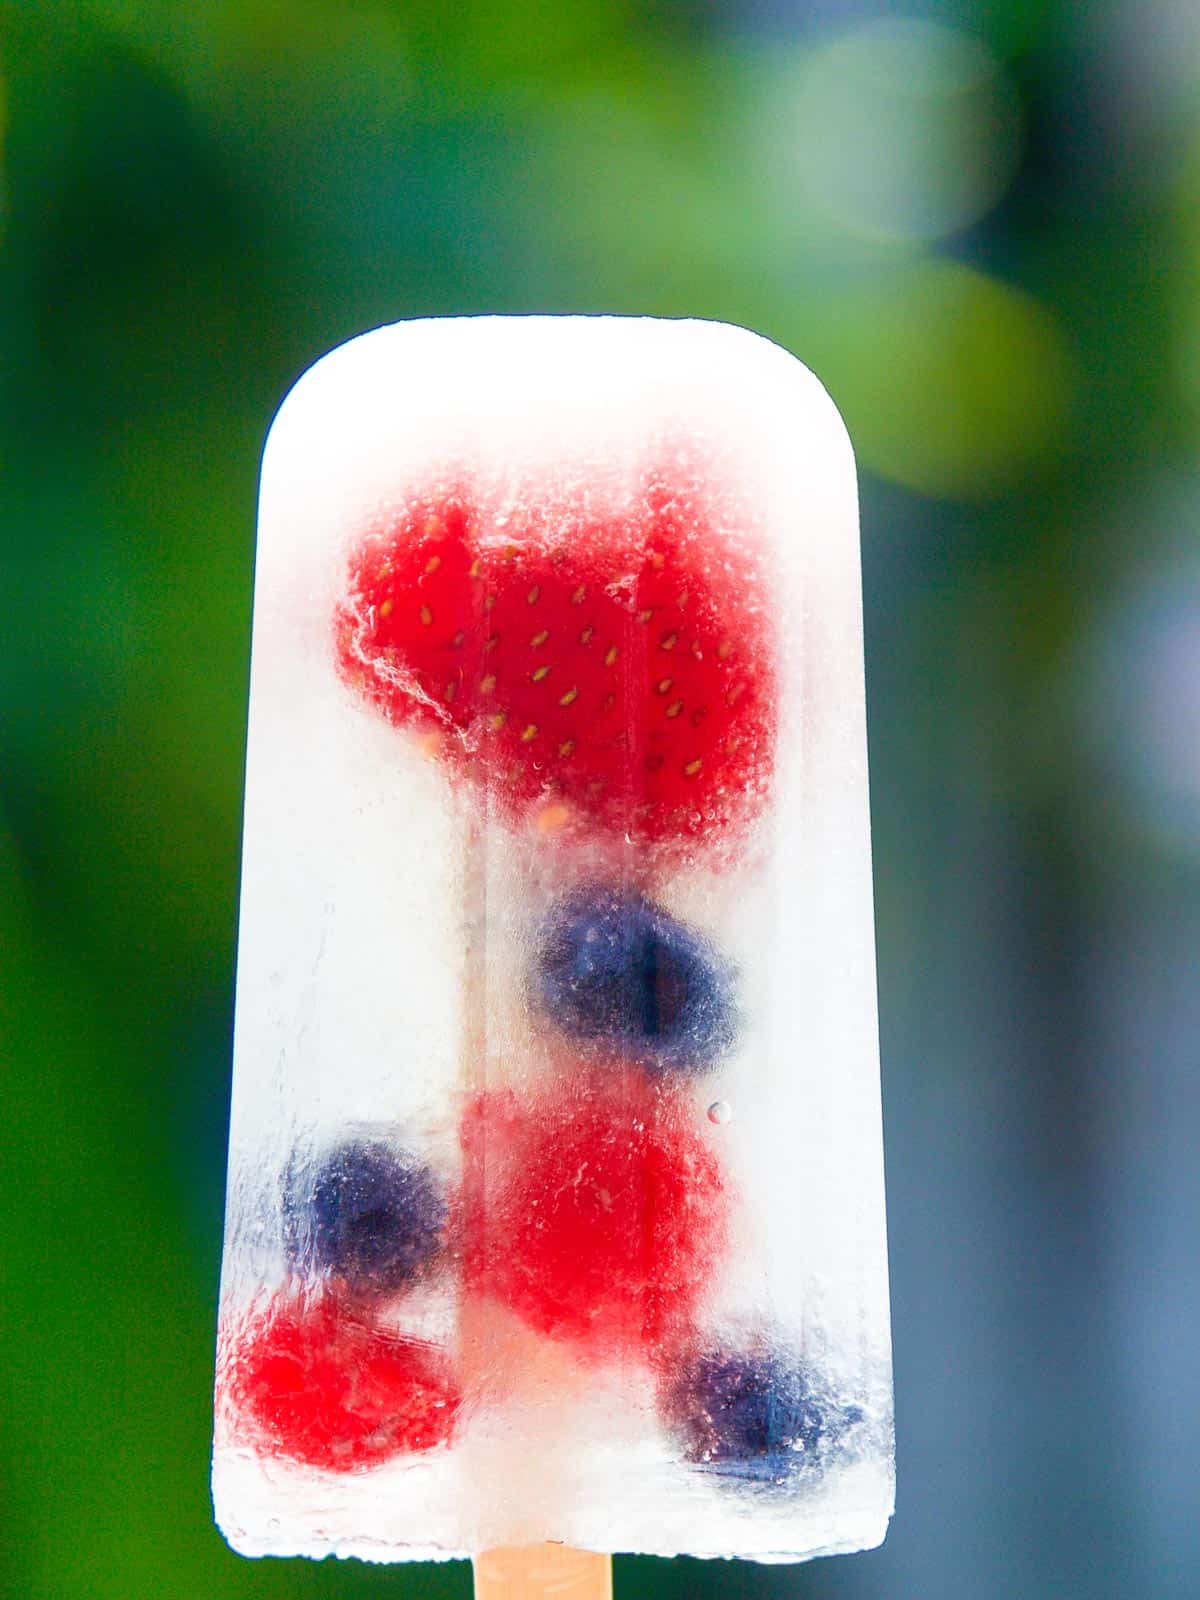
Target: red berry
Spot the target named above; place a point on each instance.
(598, 1215)
(619, 665)
(327, 1390)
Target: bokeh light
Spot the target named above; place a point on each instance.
(1139, 690)
(902, 129)
(951, 383)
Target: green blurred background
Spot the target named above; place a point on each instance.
(978, 222)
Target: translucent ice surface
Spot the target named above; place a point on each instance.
(555, 1202)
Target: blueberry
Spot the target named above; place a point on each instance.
(372, 1215)
(620, 975)
(753, 1415)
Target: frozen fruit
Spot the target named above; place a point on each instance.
(604, 1216)
(619, 974)
(619, 665)
(372, 1215)
(321, 1387)
(752, 1413)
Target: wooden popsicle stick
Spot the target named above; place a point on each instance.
(542, 1572)
(509, 1572)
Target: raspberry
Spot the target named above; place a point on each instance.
(320, 1387)
(597, 1213)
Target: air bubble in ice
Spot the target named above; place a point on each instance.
(720, 1112)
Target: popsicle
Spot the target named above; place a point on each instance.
(555, 1204)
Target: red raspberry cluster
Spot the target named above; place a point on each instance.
(320, 1384)
(596, 1212)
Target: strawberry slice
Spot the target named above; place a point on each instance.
(617, 667)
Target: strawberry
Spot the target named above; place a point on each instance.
(614, 666)
(320, 1387)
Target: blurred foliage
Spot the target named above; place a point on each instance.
(981, 231)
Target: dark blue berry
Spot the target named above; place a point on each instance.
(759, 1415)
(620, 975)
(372, 1215)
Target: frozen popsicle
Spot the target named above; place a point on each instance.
(555, 1206)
